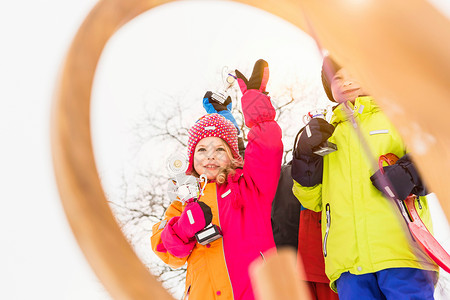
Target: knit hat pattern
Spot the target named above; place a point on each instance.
(212, 125)
(329, 69)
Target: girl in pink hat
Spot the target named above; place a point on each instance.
(237, 198)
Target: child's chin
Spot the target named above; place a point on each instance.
(211, 175)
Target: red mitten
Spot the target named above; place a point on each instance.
(195, 216)
(172, 243)
(255, 101)
(257, 81)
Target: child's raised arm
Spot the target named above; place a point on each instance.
(264, 150)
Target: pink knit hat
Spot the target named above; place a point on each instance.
(212, 125)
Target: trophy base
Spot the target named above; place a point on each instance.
(325, 148)
(209, 234)
(219, 97)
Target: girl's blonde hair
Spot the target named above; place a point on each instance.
(228, 170)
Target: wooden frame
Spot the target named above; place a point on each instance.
(402, 54)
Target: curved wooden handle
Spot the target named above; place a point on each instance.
(89, 215)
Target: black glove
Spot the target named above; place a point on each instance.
(307, 170)
(258, 80)
(316, 132)
(224, 109)
(207, 100)
(402, 177)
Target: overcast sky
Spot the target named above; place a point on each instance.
(172, 49)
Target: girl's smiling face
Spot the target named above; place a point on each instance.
(210, 155)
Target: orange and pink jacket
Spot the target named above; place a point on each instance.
(241, 207)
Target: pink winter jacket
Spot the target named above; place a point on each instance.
(241, 207)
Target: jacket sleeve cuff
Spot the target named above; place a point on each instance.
(309, 197)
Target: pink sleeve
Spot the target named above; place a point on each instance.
(257, 108)
(173, 243)
(264, 149)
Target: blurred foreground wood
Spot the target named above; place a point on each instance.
(89, 215)
(400, 51)
(278, 277)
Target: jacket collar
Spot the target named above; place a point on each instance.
(363, 105)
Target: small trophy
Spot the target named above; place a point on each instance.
(222, 95)
(326, 147)
(185, 188)
(181, 187)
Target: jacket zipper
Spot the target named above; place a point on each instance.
(186, 295)
(418, 202)
(262, 256)
(328, 215)
(223, 248)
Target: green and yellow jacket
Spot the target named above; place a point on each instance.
(362, 231)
